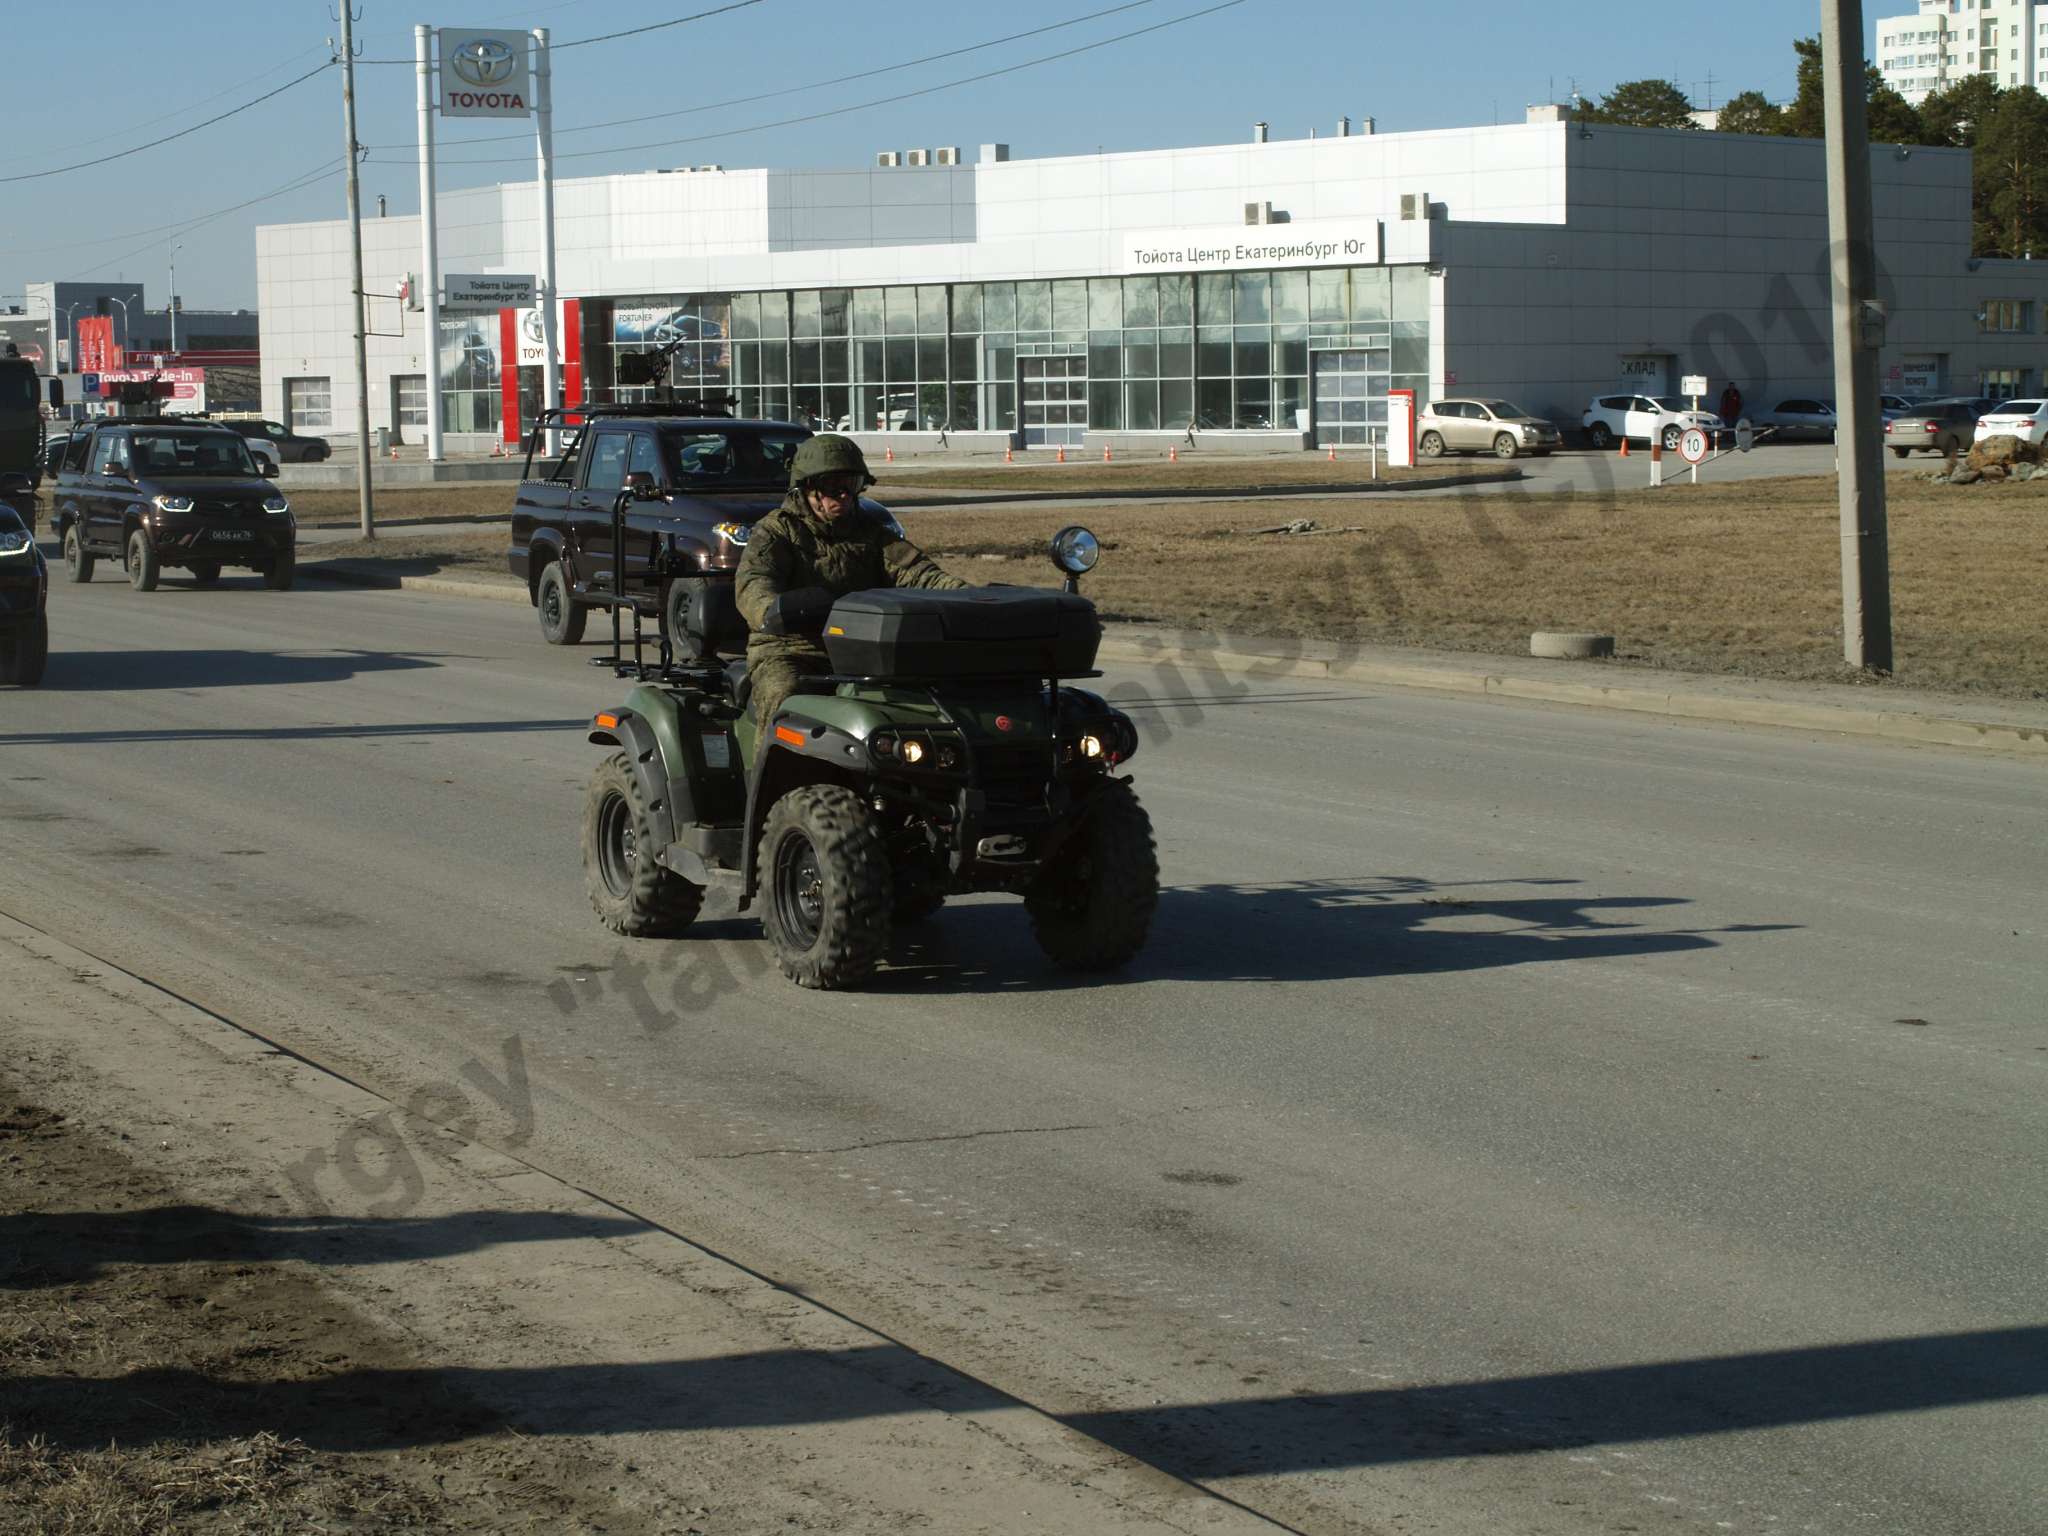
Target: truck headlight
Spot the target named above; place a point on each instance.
(276, 504)
(171, 502)
(14, 541)
(733, 533)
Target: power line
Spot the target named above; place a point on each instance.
(130, 234)
(150, 122)
(297, 183)
(795, 90)
(173, 137)
(606, 37)
(582, 42)
(883, 101)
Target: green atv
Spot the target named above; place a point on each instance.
(945, 754)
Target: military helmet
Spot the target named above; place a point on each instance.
(828, 454)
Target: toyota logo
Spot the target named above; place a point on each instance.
(535, 328)
(484, 61)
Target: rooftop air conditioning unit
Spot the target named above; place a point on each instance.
(949, 156)
(918, 157)
(1414, 205)
(1258, 213)
(888, 159)
(710, 167)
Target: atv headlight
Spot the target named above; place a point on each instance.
(733, 533)
(1091, 747)
(14, 541)
(912, 751)
(276, 504)
(170, 502)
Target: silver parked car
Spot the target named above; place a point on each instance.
(1800, 420)
(1497, 427)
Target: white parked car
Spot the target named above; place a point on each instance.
(265, 452)
(1644, 419)
(2026, 420)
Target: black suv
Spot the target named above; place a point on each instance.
(160, 492)
(24, 592)
(291, 448)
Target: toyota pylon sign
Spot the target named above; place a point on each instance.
(483, 72)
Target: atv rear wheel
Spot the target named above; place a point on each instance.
(24, 651)
(1092, 905)
(632, 893)
(825, 869)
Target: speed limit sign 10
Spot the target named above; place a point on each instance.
(1692, 446)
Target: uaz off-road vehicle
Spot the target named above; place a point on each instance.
(945, 754)
(165, 492)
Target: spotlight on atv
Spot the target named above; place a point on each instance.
(1075, 551)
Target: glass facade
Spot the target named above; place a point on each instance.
(1236, 350)
(470, 394)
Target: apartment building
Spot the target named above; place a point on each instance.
(1945, 40)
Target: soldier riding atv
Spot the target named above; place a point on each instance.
(927, 745)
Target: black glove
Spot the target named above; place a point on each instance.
(800, 612)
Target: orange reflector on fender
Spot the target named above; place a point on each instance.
(785, 734)
(607, 722)
(836, 630)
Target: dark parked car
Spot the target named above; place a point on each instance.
(291, 448)
(24, 596)
(1947, 427)
(701, 483)
(170, 492)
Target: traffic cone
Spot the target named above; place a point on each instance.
(1009, 457)
(1173, 454)
(1333, 453)
(888, 455)
(1062, 458)
(1624, 447)
(1105, 454)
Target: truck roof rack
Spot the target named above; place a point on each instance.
(688, 405)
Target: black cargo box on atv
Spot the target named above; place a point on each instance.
(975, 632)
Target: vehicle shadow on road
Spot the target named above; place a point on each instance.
(781, 1389)
(136, 671)
(57, 1248)
(1315, 930)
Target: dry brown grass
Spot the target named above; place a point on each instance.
(326, 508)
(1740, 579)
(1155, 473)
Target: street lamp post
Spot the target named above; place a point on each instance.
(172, 301)
(127, 337)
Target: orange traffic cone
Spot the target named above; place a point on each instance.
(1105, 455)
(1333, 453)
(888, 455)
(1173, 454)
(1062, 455)
(1624, 447)
(1009, 457)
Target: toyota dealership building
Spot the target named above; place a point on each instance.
(1266, 292)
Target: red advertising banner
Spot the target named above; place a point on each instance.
(96, 350)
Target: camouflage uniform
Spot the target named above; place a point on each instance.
(793, 548)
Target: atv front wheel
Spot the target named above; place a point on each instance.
(1092, 905)
(631, 891)
(828, 889)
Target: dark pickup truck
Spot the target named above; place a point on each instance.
(703, 481)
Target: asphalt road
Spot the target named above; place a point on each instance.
(1523, 1120)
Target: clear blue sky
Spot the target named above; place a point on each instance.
(1295, 63)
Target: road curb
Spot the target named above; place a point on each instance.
(906, 487)
(1883, 724)
(1677, 703)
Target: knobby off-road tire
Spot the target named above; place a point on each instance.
(1431, 445)
(78, 563)
(1092, 906)
(561, 620)
(631, 892)
(826, 886)
(204, 574)
(143, 569)
(282, 570)
(24, 652)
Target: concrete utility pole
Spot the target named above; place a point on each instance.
(1858, 336)
(355, 234)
